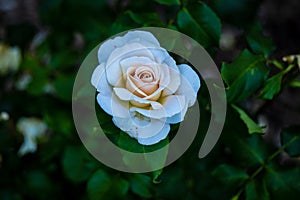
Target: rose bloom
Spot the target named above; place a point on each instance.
(141, 86)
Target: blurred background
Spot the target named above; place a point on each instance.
(42, 44)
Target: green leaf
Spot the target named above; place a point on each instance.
(231, 176)
(245, 150)
(168, 2)
(239, 13)
(38, 184)
(273, 85)
(251, 125)
(291, 138)
(258, 42)
(146, 19)
(63, 87)
(98, 185)
(38, 73)
(244, 76)
(257, 190)
(155, 175)
(200, 23)
(188, 25)
(130, 144)
(119, 187)
(60, 122)
(102, 186)
(62, 60)
(141, 185)
(122, 23)
(208, 19)
(75, 163)
(282, 182)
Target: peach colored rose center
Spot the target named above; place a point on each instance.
(143, 81)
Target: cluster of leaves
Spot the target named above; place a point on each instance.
(242, 165)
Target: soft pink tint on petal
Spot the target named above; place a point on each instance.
(136, 61)
(113, 66)
(126, 95)
(163, 57)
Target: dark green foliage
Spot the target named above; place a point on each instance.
(241, 166)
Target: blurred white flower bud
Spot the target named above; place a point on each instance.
(227, 41)
(31, 128)
(4, 116)
(10, 58)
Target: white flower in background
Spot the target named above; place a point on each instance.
(10, 58)
(31, 128)
(291, 58)
(141, 86)
(4, 116)
(228, 40)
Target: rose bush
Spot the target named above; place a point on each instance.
(141, 86)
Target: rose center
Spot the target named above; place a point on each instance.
(146, 76)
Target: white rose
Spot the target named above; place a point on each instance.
(141, 86)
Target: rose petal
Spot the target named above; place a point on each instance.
(139, 127)
(156, 138)
(131, 86)
(137, 86)
(99, 80)
(147, 133)
(179, 117)
(190, 84)
(113, 67)
(172, 105)
(162, 56)
(163, 82)
(113, 105)
(174, 83)
(137, 61)
(145, 88)
(106, 99)
(142, 37)
(126, 95)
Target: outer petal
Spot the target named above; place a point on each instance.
(172, 105)
(106, 98)
(156, 138)
(190, 84)
(112, 105)
(147, 133)
(179, 117)
(142, 37)
(99, 80)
